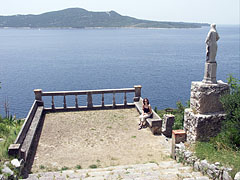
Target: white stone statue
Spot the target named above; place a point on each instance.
(211, 42)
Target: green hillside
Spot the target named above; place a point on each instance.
(81, 18)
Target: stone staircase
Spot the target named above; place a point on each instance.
(166, 170)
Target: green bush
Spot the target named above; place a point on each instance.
(178, 113)
(9, 129)
(227, 157)
(230, 134)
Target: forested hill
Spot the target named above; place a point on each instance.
(81, 18)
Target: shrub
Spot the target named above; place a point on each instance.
(230, 134)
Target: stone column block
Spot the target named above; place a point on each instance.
(168, 122)
(200, 127)
(38, 94)
(205, 97)
(177, 137)
(137, 92)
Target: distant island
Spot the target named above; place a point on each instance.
(81, 18)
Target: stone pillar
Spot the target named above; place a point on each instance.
(177, 137)
(89, 100)
(210, 72)
(203, 119)
(200, 127)
(168, 122)
(13, 149)
(137, 92)
(38, 94)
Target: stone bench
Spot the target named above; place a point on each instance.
(154, 122)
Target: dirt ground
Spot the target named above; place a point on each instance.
(102, 138)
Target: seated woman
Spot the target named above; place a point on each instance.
(147, 112)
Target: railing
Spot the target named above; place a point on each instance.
(137, 90)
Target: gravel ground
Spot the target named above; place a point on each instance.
(102, 138)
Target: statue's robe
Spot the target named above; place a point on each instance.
(211, 42)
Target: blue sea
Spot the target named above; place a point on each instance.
(163, 61)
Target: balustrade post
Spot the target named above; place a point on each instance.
(64, 102)
(53, 106)
(76, 101)
(125, 98)
(137, 92)
(38, 94)
(89, 100)
(114, 100)
(102, 99)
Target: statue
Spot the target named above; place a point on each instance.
(211, 51)
(211, 42)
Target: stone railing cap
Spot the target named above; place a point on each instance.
(179, 131)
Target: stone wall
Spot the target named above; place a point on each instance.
(214, 171)
(200, 127)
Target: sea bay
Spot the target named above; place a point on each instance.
(163, 61)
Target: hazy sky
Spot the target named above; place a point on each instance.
(210, 11)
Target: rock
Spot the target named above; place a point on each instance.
(226, 176)
(217, 163)
(202, 178)
(204, 165)
(187, 154)
(7, 170)
(15, 163)
(196, 166)
(1, 139)
(237, 176)
(210, 173)
(212, 167)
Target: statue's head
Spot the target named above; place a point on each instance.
(213, 26)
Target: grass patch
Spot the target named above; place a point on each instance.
(64, 168)
(133, 136)
(42, 167)
(78, 166)
(227, 157)
(93, 166)
(9, 128)
(153, 162)
(113, 159)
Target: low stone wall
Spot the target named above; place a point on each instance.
(200, 127)
(214, 171)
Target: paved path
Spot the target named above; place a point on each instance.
(166, 170)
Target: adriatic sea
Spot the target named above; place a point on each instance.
(163, 61)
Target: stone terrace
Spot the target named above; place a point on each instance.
(101, 137)
(109, 139)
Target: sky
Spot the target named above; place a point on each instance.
(209, 11)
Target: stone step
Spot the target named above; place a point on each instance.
(150, 171)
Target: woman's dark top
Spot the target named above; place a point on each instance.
(146, 110)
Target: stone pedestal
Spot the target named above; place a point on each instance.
(200, 127)
(168, 122)
(205, 97)
(203, 119)
(177, 137)
(210, 72)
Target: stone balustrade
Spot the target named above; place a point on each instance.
(136, 90)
